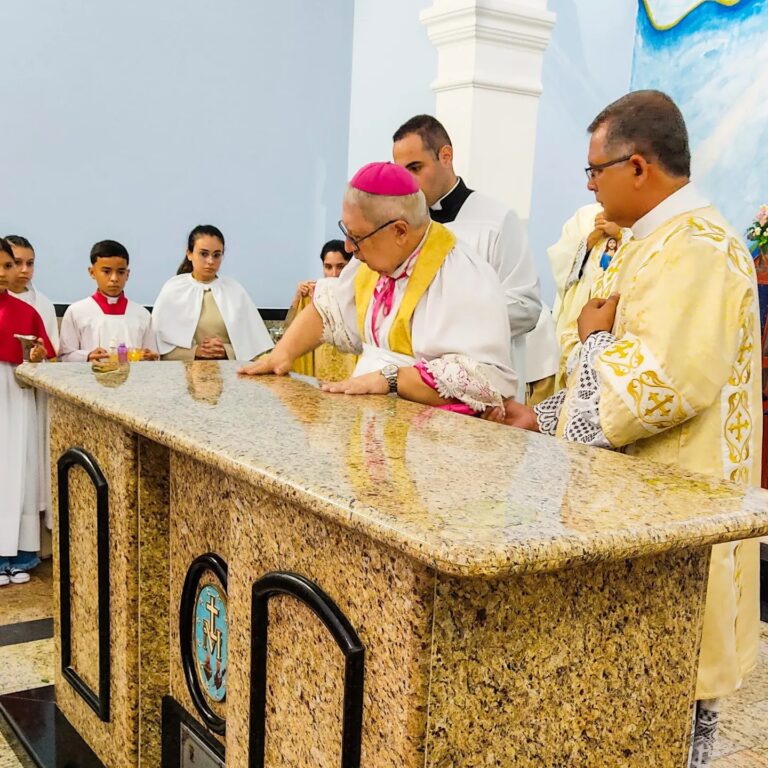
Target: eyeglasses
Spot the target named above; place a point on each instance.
(593, 171)
(356, 241)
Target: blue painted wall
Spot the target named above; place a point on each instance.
(136, 121)
(714, 63)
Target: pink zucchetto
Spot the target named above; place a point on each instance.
(384, 179)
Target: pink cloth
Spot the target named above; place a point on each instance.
(429, 380)
(384, 294)
(384, 179)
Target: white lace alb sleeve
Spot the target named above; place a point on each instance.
(548, 413)
(461, 378)
(335, 331)
(582, 423)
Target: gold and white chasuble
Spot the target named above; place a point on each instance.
(679, 381)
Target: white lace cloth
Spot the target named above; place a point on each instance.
(334, 330)
(459, 377)
(582, 423)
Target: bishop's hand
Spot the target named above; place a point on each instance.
(368, 384)
(275, 362)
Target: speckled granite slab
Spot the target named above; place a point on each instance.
(463, 495)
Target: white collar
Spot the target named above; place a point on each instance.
(687, 198)
(438, 206)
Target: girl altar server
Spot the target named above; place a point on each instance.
(22, 288)
(202, 316)
(19, 507)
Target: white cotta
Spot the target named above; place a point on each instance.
(45, 309)
(47, 312)
(85, 327)
(461, 320)
(177, 312)
(19, 456)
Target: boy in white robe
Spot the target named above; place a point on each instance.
(427, 316)
(491, 229)
(19, 515)
(107, 318)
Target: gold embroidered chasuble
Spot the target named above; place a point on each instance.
(682, 385)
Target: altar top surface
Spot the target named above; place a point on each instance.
(466, 496)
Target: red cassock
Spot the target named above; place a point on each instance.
(17, 316)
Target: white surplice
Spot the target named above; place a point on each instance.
(86, 327)
(177, 312)
(459, 326)
(47, 312)
(19, 513)
(495, 232)
(45, 309)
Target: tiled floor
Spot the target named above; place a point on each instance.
(743, 739)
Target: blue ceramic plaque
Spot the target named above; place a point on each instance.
(210, 641)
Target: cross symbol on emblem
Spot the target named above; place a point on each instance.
(212, 634)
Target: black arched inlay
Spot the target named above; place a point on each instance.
(81, 458)
(283, 583)
(210, 561)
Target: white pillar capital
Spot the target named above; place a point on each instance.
(487, 88)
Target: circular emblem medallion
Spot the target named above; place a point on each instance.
(210, 640)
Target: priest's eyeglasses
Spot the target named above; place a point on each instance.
(357, 240)
(593, 171)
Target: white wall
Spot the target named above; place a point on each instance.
(587, 65)
(136, 121)
(393, 64)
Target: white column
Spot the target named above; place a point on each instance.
(487, 89)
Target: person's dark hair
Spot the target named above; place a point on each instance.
(19, 241)
(652, 125)
(433, 134)
(106, 249)
(201, 230)
(332, 246)
(5, 247)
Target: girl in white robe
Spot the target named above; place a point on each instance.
(199, 315)
(19, 455)
(22, 288)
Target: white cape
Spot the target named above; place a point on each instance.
(177, 311)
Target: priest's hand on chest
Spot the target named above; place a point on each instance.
(368, 384)
(597, 315)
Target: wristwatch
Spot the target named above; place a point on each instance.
(389, 372)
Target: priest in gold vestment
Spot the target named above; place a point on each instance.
(668, 366)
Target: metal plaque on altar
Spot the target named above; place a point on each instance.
(194, 753)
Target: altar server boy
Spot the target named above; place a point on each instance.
(19, 515)
(107, 318)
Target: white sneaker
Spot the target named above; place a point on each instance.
(4, 579)
(18, 577)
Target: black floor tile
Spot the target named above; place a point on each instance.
(26, 632)
(44, 732)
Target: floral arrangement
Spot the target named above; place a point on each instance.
(757, 233)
